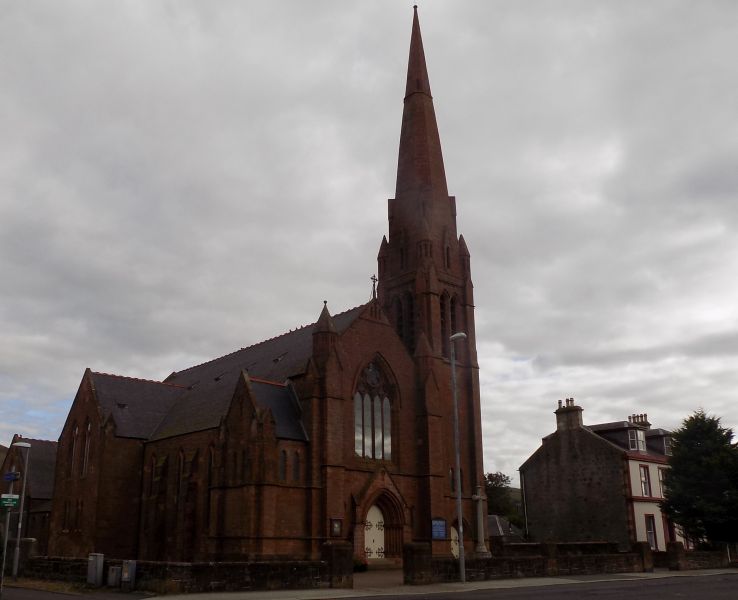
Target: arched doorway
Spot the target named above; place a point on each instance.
(374, 533)
(383, 528)
(454, 534)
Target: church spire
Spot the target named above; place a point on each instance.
(420, 164)
(424, 286)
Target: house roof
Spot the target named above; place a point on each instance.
(41, 467)
(614, 425)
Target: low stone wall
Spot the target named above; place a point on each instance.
(183, 578)
(680, 559)
(527, 560)
(168, 577)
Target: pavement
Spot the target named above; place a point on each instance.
(389, 583)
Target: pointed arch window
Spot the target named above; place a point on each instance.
(399, 321)
(86, 448)
(444, 305)
(410, 321)
(296, 466)
(283, 465)
(454, 319)
(180, 476)
(73, 449)
(152, 476)
(373, 416)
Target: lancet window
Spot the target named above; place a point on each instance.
(373, 415)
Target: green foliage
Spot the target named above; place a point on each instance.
(499, 499)
(702, 485)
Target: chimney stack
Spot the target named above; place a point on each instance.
(568, 416)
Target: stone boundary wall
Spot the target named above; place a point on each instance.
(680, 559)
(550, 560)
(335, 570)
(527, 560)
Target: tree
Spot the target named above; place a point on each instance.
(701, 491)
(497, 488)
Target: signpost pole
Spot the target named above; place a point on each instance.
(16, 556)
(6, 532)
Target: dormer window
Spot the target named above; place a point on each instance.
(636, 440)
(667, 445)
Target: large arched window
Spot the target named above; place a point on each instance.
(373, 416)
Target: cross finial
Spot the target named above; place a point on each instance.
(374, 286)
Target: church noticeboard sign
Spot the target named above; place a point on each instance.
(438, 529)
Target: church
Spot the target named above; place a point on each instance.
(339, 430)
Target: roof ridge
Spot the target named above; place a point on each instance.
(264, 341)
(177, 385)
(30, 439)
(260, 380)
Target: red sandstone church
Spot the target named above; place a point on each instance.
(340, 430)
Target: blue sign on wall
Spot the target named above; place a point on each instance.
(11, 476)
(438, 529)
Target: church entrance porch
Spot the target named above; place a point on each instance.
(374, 534)
(379, 535)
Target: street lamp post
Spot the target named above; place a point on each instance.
(16, 556)
(459, 514)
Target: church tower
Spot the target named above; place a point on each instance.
(424, 276)
(426, 291)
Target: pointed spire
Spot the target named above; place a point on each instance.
(420, 164)
(325, 321)
(463, 250)
(417, 72)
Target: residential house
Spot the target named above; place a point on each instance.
(599, 482)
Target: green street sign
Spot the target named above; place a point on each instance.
(9, 501)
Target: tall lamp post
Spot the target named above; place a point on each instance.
(459, 514)
(16, 556)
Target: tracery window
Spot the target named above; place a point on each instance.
(373, 415)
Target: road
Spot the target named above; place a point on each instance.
(716, 587)
(721, 586)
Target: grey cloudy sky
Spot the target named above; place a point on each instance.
(181, 179)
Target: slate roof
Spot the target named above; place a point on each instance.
(211, 384)
(198, 397)
(274, 359)
(136, 405)
(280, 399)
(41, 467)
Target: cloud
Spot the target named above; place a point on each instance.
(178, 180)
